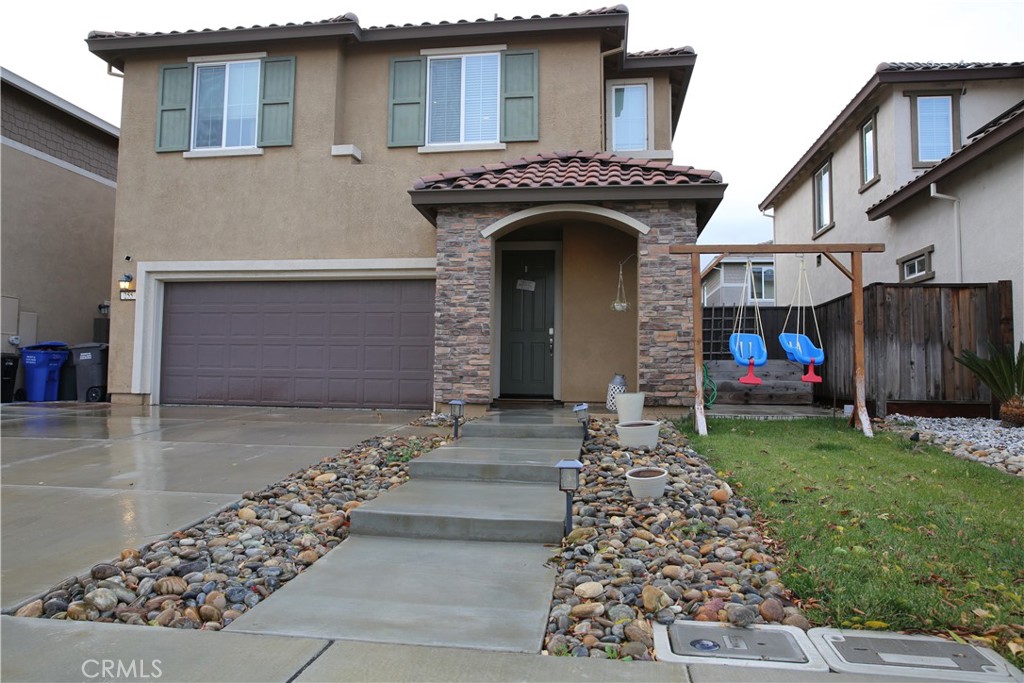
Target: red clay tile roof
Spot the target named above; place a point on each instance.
(941, 66)
(568, 169)
(665, 52)
(617, 9)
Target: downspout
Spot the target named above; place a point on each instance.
(604, 97)
(956, 229)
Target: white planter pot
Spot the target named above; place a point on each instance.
(647, 482)
(630, 406)
(638, 433)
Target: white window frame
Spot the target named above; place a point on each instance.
(223, 149)
(869, 148)
(610, 87)
(822, 193)
(757, 276)
(461, 142)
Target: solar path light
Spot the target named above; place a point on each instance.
(457, 409)
(569, 481)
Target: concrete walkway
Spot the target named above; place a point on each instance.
(455, 557)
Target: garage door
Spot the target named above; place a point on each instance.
(352, 344)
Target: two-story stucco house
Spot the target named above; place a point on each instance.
(726, 279)
(927, 158)
(326, 214)
(59, 181)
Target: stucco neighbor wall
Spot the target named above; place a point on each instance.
(57, 230)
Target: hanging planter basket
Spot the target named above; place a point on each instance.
(621, 304)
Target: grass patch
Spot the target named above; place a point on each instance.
(883, 532)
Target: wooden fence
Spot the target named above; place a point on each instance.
(912, 333)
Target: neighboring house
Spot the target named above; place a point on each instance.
(59, 176)
(926, 158)
(723, 280)
(267, 174)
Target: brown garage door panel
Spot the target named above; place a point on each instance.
(347, 344)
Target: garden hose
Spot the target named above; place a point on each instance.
(710, 388)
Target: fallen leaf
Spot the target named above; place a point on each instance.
(1015, 648)
(983, 613)
(876, 624)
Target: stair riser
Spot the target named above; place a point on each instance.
(455, 528)
(524, 474)
(521, 431)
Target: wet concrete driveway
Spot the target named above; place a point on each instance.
(80, 482)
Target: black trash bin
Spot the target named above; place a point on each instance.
(8, 377)
(91, 371)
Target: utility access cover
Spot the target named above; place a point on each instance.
(895, 654)
(772, 646)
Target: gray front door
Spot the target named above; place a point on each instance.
(527, 323)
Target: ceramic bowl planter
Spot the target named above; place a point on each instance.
(630, 406)
(647, 482)
(638, 433)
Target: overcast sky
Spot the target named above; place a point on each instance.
(770, 74)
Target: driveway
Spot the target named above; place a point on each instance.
(81, 482)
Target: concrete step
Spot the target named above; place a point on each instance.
(491, 464)
(465, 511)
(493, 443)
(522, 430)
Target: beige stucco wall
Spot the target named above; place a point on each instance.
(57, 228)
(597, 341)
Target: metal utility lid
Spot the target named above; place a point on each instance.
(895, 654)
(769, 646)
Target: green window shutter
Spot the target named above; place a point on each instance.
(277, 101)
(174, 108)
(407, 97)
(519, 95)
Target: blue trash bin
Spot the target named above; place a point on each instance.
(42, 363)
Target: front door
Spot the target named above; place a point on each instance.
(527, 323)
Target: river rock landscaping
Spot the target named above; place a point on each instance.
(694, 553)
(206, 576)
(980, 440)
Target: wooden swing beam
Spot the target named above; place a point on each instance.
(856, 275)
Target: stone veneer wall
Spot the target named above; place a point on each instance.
(462, 347)
(665, 307)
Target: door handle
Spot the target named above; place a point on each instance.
(551, 341)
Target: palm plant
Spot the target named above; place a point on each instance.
(1003, 374)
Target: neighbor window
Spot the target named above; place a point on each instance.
(917, 267)
(868, 153)
(763, 283)
(629, 115)
(462, 93)
(823, 198)
(935, 126)
(226, 105)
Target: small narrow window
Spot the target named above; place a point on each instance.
(629, 115)
(917, 267)
(935, 126)
(823, 198)
(868, 153)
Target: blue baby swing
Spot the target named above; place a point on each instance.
(798, 346)
(748, 350)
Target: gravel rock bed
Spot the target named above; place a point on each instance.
(210, 574)
(693, 554)
(978, 439)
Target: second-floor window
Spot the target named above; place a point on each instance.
(935, 126)
(868, 152)
(462, 93)
(628, 112)
(822, 185)
(226, 105)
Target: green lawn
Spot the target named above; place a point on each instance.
(883, 532)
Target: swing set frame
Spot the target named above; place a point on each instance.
(855, 273)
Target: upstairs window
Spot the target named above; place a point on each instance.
(444, 101)
(224, 106)
(935, 126)
(823, 198)
(868, 153)
(628, 111)
(462, 93)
